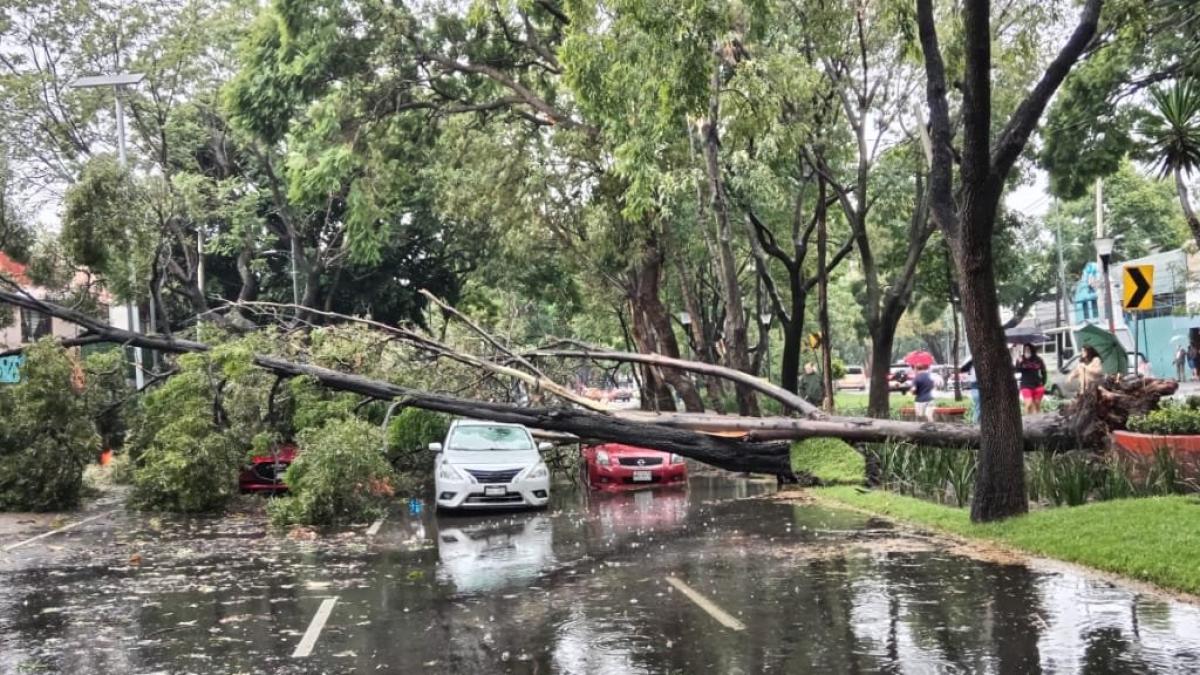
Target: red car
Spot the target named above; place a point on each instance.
(265, 472)
(612, 465)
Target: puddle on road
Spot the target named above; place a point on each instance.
(577, 588)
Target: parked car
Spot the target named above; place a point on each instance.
(264, 473)
(855, 378)
(489, 465)
(1058, 383)
(612, 465)
(898, 378)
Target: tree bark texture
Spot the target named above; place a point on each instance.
(823, 297)
(653, 323)
(736, 336)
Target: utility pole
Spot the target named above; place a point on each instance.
(118, 82)
(1104, 248)
(1061, 306)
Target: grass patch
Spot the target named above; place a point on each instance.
(1152, 539)
(831, 460)
(856, 402)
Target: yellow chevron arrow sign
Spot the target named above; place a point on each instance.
(1138, 287)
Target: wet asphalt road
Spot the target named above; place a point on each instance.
(699, 580)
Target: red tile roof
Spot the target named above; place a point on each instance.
(13, 269)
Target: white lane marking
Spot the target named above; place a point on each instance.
(707, 605)
(314, 629)
(64, 528)
(374, 528)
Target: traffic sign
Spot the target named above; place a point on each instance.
(1138, 287)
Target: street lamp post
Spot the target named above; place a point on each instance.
(118, 82)
(1104, 248)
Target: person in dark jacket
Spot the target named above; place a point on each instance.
(812, 385)
(921, 386)
(1032, 370)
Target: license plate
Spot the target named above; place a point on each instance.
(495, 491)
(642, 476)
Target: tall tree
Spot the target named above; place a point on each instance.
(1173, 133)
(966, 212)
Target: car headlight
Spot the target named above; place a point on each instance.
(447, 472)
(676, 459)
(539, 470)
(602, 458)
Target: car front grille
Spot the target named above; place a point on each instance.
(640, 461)
(505, 499)
(504, 476)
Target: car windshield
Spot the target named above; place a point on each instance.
(481, 437)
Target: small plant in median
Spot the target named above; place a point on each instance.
(340, 476)
(1167, 421)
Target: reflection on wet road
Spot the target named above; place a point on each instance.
(578, 588)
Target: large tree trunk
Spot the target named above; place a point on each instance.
(1185, 203)
(657, 334)
(966, 212)
(823, 297)
(712, 386)
(793, 342)
(1000, 482)
(883, 339)
(736, 336)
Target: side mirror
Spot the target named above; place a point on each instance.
(435, 447)
(544, 446)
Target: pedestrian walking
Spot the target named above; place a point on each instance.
(1032, 371)
(922, 386)
(1180, 361)
(1193, 359)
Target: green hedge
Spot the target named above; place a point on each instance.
(1172, 421)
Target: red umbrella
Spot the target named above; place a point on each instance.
(919, 358)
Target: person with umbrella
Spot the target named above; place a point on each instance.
(922, 383)
(1032, 371)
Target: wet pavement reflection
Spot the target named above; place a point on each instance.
(580, 587)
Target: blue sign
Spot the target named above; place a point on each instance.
(10, 368)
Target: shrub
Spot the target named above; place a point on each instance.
(191, 467)
(47, 437)
(339, 477)
(1169, 421)
(195, 431)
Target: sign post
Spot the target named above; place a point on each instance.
(1137, 295)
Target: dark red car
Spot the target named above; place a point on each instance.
(613, 465)
(264, 473)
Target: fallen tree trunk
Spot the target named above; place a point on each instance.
(731, 454)
(788, 399)
(1048, 431)
(747, 444)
